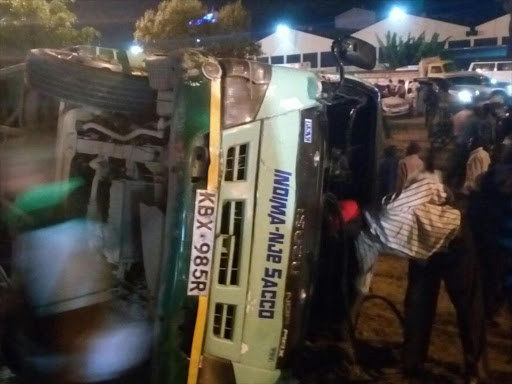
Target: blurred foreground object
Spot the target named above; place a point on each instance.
(64, 328)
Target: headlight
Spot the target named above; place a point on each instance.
(509, 89)
(494, 81)
(465, 97)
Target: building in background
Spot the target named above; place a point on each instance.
(485, 42)
(355, 19)
(312, 48)
(410, 25)
(290, 46)
(494, 28)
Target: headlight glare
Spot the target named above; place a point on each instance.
(465, 97)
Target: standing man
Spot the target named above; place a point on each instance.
(473, 127)
(431, 107)
(390, 88)
(490, 211)
(413, 95)
(460, 120)
(456, 266)
(410, 166)
(401, 92)
(504, 144)
(420, 224)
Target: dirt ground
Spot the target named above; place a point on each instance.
(380, 328)
(380, 334)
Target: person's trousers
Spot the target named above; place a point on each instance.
(430, 117)
(494, 267)
(458, 269)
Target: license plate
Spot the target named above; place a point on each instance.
(203, 238)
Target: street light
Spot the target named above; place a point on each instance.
(282, 29)
(136, 49)
(397, 14)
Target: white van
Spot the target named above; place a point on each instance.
(499, 70)
(113, 59)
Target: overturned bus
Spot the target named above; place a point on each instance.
(213, 178)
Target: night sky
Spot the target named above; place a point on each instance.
(115, 18)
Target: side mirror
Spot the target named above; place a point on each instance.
(352, 51)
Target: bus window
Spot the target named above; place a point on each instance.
(483, 67)
(505, 66)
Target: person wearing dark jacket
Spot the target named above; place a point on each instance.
(457, 266)
(421, 223)
(388, 171)
(431, 108)
(504, 142)
(490, 211)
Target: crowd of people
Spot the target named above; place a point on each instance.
(453, 225)
(402, 90)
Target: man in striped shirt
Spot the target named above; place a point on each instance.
(420, 225)
(414, 223)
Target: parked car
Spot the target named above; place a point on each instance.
(395, 106)
(499, 70)
(484, 87)
(467, 89)
(108, 58)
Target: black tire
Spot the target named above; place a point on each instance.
(52, 73)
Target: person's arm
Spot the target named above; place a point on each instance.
(401, 175)
(486, 162)
(479, 166)
(450, 197)
(483, 168)
(471, 171)
(476, 167)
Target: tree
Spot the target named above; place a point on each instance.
(397, 52)
(28, 24)
(170, 27)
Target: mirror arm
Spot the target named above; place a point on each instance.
(339, 51)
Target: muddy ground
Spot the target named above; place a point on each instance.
(380, 328)
(379, 340)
